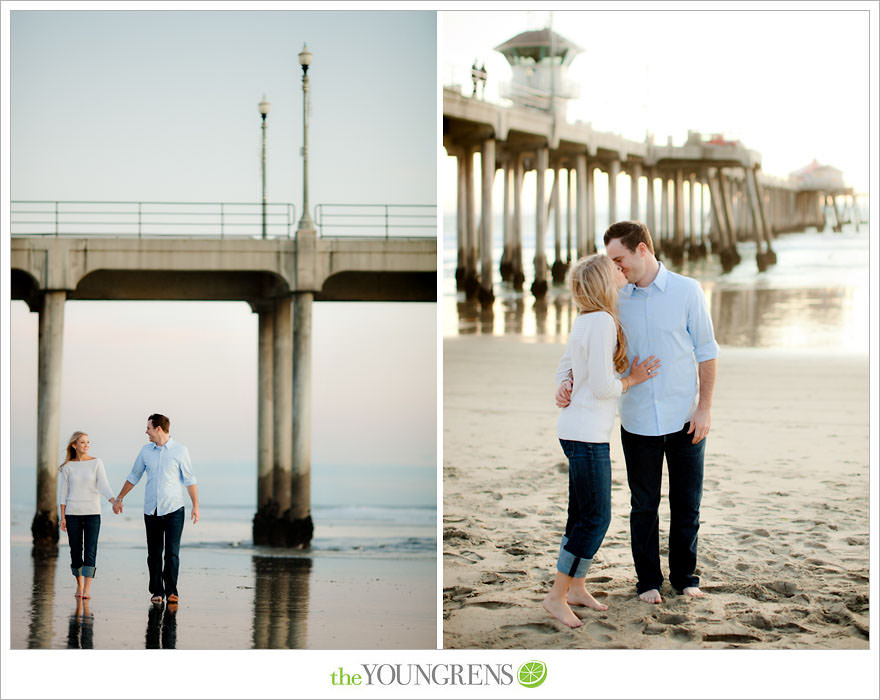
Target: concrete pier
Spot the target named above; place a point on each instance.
(273, 276)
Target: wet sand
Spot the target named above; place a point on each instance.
(233, 598)
(784, 536)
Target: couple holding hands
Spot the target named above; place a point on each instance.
(167, 466)
(629, 306)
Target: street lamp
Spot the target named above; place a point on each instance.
(264, 112)
(305, 60)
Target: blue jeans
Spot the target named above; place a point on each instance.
(589, 505)
(82, 534)
(644, 471)
(163, 533)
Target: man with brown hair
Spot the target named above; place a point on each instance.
(169, 471)
(663, 314)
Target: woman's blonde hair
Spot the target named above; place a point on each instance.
(593, 288)
(70, 450)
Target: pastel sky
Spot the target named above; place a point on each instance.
(162, 106)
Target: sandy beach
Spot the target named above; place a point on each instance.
(785, 514)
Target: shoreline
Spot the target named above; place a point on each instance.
(784, 529)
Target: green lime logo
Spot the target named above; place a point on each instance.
(531, 674)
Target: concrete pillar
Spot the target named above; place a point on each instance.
(591, 209)
(663, 228)
(282, 362)
(539, 287)
(581, 167)
(692, 209)
(265, 405)
(568, 215)
(559, 268)
(44, 527)
(505, 268)
(678, 230)
(470, 253)
(650, 217)
(613, 172)
(461, 220)
(266, 509)
(301, 528)
(487, 167)
(517, 277)
(635, 175)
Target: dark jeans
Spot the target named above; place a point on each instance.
(644, 471)
(82, 533)
(163, 532)
(589, 502)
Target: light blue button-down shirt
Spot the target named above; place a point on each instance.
(670, 320)
(168, 470)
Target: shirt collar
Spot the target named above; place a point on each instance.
(158, 447)
(660, 281)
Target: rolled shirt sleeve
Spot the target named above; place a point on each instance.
(137, 469)
(186, 472)
(699, 326)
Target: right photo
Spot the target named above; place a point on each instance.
(655, 329)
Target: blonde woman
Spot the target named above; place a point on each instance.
(597, 355)
(83, 481)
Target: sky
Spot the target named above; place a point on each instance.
(162, 106)
(789, 83)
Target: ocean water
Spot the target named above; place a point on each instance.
(815, 297)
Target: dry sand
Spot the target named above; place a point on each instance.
(784, 537)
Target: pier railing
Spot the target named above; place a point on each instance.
(151, 219)
(376, 220)
(216, 219)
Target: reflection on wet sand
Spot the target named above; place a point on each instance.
(161, 627)
(42, 598)
(281, 601)
(79, 628)
(743, 317)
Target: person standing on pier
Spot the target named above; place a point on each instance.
(666, 313)
(596, 351)
(169, 471)
(83, 482)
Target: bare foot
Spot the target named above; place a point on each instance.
(693, 592)
(560, 610)
(78, 594)
(581, 597)
(86, 595)
(652, 596)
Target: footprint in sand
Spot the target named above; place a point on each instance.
(492, 604)
(539, 627)
(673, 619)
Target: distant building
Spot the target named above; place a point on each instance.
(539, 60)
(816, 176)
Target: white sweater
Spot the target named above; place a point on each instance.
(82, 484)
(590, 353)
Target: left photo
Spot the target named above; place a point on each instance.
(223, 330)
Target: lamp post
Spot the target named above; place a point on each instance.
(305, 60)
(264, 112)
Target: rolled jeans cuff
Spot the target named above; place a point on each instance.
(88, 571)
(76, 570)
(569, 564)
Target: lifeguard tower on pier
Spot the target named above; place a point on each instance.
(539, 60)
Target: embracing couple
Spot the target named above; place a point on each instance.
(630, 306)
(167, 466)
